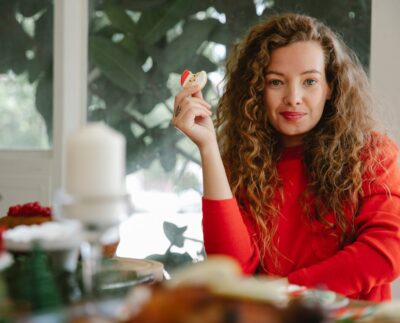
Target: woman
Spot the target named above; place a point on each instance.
(310, 191)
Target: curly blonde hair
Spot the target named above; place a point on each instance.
(251, 147)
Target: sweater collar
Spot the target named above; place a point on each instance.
(292, 152)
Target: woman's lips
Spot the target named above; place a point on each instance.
(292, 116)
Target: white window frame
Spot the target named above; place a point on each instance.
(70, 77)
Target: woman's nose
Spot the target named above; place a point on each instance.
(293, 96)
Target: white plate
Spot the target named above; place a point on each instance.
(326, 299)
(142, 267)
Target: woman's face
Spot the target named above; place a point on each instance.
(296, 90)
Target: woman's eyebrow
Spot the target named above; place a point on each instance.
(302, 73)
(310, 72)
(274, 72)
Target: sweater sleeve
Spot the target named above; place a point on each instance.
(374, 257)
(227, 231)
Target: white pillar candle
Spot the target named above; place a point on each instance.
(96, 162)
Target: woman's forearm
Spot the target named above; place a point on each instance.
(215, 181)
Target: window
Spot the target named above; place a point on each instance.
(26, 56)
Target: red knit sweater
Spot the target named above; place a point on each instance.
(309, 254)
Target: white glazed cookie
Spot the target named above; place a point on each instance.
(189, 79)
(223, 275)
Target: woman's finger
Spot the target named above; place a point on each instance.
(187, 92)
(198, 93)
(192, 106)
(194, 100)
(188, 118)
(188, 102)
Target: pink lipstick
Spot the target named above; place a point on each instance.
(292, 116)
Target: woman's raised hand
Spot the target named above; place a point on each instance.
(192, 116)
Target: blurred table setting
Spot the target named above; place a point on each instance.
(37, 286)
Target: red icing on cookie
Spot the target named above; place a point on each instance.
(184, 75)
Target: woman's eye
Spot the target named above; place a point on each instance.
(310, 82)
(275, 82)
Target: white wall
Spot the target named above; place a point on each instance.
(385, 70)
(385, 63)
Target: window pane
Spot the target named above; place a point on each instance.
(26, 50)
(137, 51)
